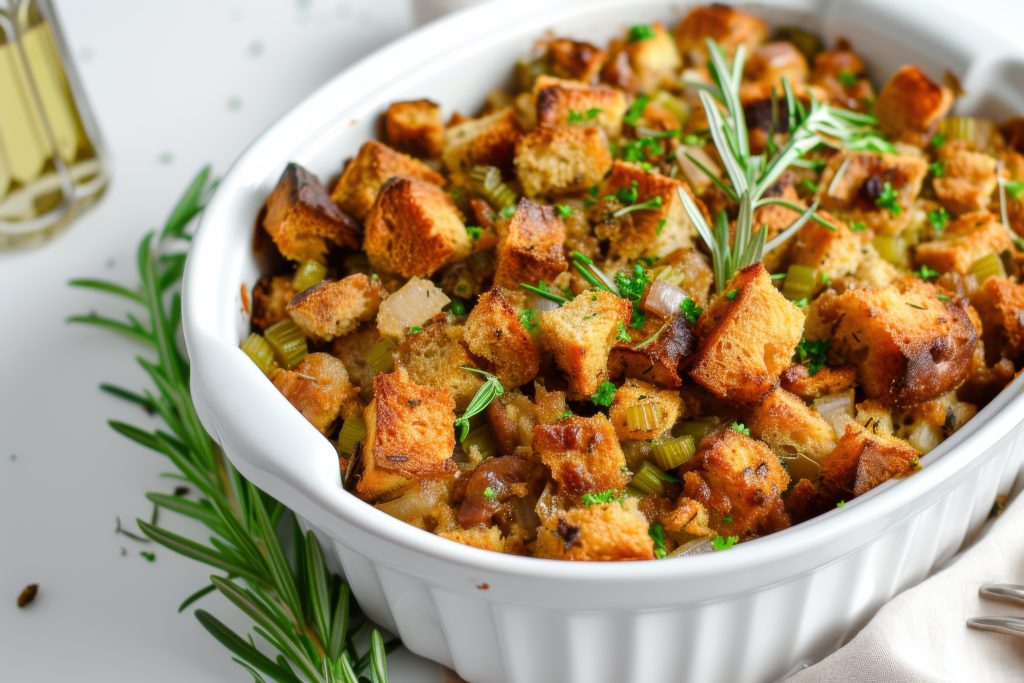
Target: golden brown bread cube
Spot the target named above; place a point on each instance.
(270, 299)
(409, 436)
(738, 479)
(414, 228)
(649, 232)
(775, 61)
(353, 350)
(661, 408)
(653, 61)
(581, 334)
(494, 332)
(747, 341)
(968, 179)
(862, 460)
(832, 252)
(777, 218)
(434, 357)
(561, 160)
(1001, 305)
(556, 98)
(728, 27)
(573, 60)
(486, 141)
(908, 345)
(317, 387)
(798, 380)
(911, 104)
(658, 361)
(583, 455)
(832, 69)
(855, 193)
(483, 537)
(791, 427)
(530, 246)
(964, 241)
(302, 220)
(366, 173)
(599, 533)
(334, 308)
(415, 127)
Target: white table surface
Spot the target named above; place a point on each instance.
(175, 85)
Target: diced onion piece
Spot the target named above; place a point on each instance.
(642, 417)
(989, 265)
(696, 546)
(309, 273)
(968, 129)
(487, 182)
(649, 479)
(480, 438)
(892, 248)
(663, 298)
(415, 303)
(540, 303)
(421, 501)
(693, 173)
(925, 436)
(802, 466)
(800, 283)
(381, 356)
(672, 453)
(257, 348)
(352, 432)
(287, 341)
(696, 429)
(836, 409)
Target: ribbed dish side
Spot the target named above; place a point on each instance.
(758, 636)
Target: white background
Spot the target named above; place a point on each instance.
(175, 84)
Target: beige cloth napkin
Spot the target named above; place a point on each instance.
(920, 636)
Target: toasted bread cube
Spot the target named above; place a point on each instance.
(335, 308)
(777, 218)
(728, 27)
(583, 455)
(414, 228)
(483, 537)
(738, 479)
(908, 345)
(270, 299)
(599, 533)
(302, 220)
(854, 193)
(415, 127)
(487, 141)
(964, 241)
(649, 232)
(862, 460)
(968, 179)
(746, 342)
(664, 407)
(687, 517)
(352, 350)
(831, 73)
(911, 104)
(317, 387)
(797, 379)
(832, 252)
(573, 60)
(562, 160)
(1001, 305)
(654, 61)
(556, 98)
(364, 175)
(409, 436)
(494, 332)
(530, 247)
(792, 428)
(775, 61)
(581, 334)
(658, 361)
(435, 356)
(874, 270)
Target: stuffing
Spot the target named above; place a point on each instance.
(658, 361)
(968, 179)
(353, 350)
(557, 98)
(435, 356)
(777, 218)
(784, 422)
(910, 105)
(270, 299)
(775, 61)
(582, 454)
(573, 60)
(317, 387)
(862, 460)
(487, 141)
(833, 253)
(661, 410)
(729, 27)
(1001, 305)
(687, 517)
(488, 494)
(873, 188)
(512, 417)
(798, 380)
(649, 63)
(841, 75)
(530, 246)
(334, 308)
(483, 537)
(366, 173)
(494, 332)
(599, 533)
(302, 220)
(561, 160)
(415, 127)
(964, 241)
(414, 228)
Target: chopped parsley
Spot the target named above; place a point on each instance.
(474, 231)
(490, 494)
(639, 32)
(508, 211)
(800, 303)
(661, 226)
(889, 199)
(526, 319)
(604, 395)
(813, 353)
(732, 294)
(778, 277)
(943, 298)
(727, 520)
(939, 219)
(724, 543)
(690, 310)
(636, 110)
(938, 140)
(740, 427)
(565, 416)
(847, 78)
(937, 169)
(582, 116)
(657, 534)
(457, 308)
(691, 139)
(631, 286)
(826, 279)
(623, 335)
(627, 195)
(926, 273)
(609, 496)
(150, 557)
(841, 503)
(415, 329)
(564, 210)
(857, 226)
(1015, 188)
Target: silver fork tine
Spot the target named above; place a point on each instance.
(1010, 625)
(1003, 591)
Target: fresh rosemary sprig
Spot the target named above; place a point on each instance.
(751, 175)
(490, 390)
(302, 611)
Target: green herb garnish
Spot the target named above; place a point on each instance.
(457, 308)
(415, 329)
(491, 389)
(813, 353)
(474, 231)
(636, 109)
(858, 226)
(690, 310)
(639, 32)
(740, 427)
(847, 78)
(732, 294)
(526, 319)
(609, 496)
(564, 210)
(937, 169)
(582, 116)
(604, 395)
(490, 493)
(926, 273)
(939, 219)
(623, 335)
(889, 199)
(943, 298)
(724, 543)
(541, 289)
(657, 534)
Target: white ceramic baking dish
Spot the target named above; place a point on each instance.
(753, 613)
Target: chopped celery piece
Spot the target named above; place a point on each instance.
(287, 341)
(892, 248)
(487, 182)
(697, 429)
(257, 348)
(481, 439)
(308, 274)
(642, 417)
(672, 104)
(352, 432)
(968, 129)
(672, 453)
(800, 283)
(989, 265)
(649, 479)
(381, 356)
